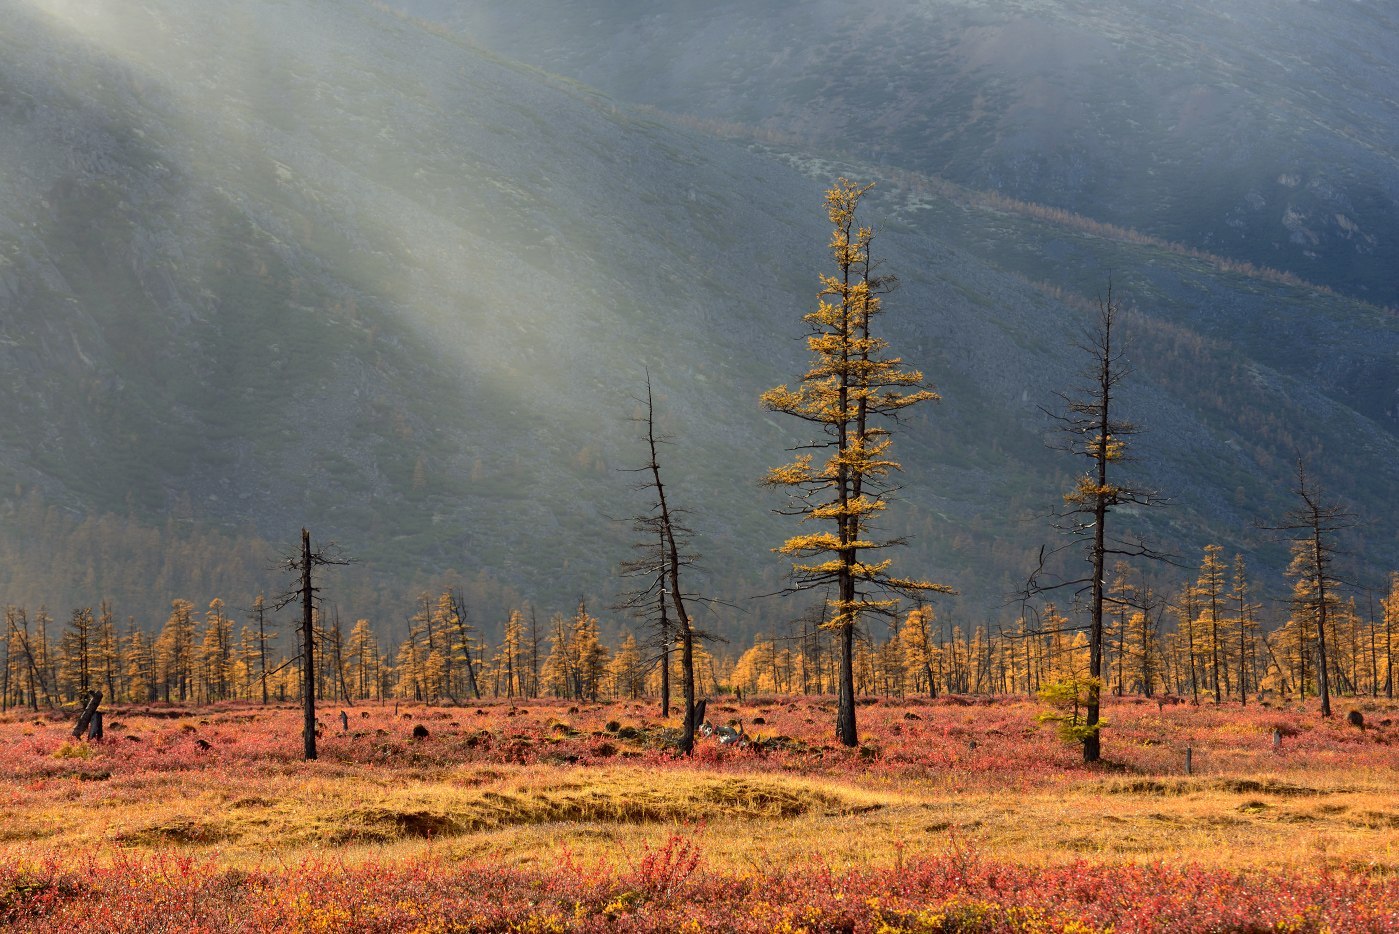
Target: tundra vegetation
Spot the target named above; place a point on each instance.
(960, 813)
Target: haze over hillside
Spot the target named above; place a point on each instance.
(277, 264)
(1267, 131)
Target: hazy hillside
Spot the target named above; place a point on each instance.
(277, 264)
(1263, 130)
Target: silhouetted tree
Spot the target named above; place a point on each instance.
(1091, 430)
(660, 569)
(303, 564)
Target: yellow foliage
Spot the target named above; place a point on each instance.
(810, 544)
(1088, 491)
(797, 472)
(850, 388)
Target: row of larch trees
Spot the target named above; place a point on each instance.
(1154, 644)
(189, 660)
(1203, 641)
(209, 656)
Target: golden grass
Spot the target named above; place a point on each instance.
(745, 814)
(531, 815)
(286, 811)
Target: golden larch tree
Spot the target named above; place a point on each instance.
(850, 391)
(1314, 527)
(1209, 590)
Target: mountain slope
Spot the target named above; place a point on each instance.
(308, 263)
(1264, 131)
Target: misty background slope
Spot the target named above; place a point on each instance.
(1262, 130)
(313, 263)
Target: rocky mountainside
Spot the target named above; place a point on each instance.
(314, 263)
(1264, 131)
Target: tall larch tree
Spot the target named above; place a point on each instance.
(557, 676)
(456, 637)
(918, 650)
(626, 672)
(215, 652)
(512, 649)
(175, 650)
(590, 654)
(107, 657)
(75, 648)
(851, 391)
(140, 670)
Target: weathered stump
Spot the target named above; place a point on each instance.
(90, 705)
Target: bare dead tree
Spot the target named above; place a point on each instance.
(661, 569)
(302, 564)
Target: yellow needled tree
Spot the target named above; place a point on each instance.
(1210, 590)
(851, 389)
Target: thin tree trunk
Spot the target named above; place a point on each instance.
(308, 660)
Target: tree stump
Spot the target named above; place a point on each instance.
(90, 704)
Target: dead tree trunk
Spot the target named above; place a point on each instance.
(90, 705)
(308, 652)
(301, 563)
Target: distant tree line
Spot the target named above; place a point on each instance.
(1205, 641)
(209, 656)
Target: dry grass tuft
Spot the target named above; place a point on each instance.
(1185, 786)
(178, 831)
